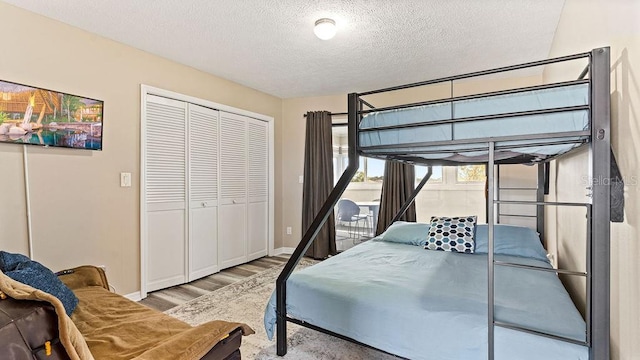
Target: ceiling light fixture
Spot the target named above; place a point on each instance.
(325, 28)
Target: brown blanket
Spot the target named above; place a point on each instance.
(108, 326)
(123, 329)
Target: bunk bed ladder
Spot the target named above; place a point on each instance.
(490, 260)
(541, 189)
(492, 263)
(598, 213)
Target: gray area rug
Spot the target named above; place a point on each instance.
(245, 301)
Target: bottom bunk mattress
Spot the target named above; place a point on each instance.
(425, 304)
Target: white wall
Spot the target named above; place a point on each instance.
(80, 213)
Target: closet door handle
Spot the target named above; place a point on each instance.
(204, 204)
(235, 201)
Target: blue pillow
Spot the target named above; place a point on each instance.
(409, 233)
(510, 240)
(21, 268)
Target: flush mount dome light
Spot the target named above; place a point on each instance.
(325, 28)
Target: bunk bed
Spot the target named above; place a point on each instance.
(398, 298)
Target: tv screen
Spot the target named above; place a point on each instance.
(30, 115)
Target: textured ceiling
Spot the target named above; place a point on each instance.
(269, 45)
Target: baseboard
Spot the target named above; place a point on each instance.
(136, 296)
(283, 251)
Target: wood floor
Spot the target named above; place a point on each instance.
(165, 299)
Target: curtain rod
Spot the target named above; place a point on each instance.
(332, 114)
(336, 124)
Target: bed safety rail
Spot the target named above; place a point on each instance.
(455, 120)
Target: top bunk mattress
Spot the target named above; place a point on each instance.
(415, 139)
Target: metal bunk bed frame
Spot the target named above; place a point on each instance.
(597, 273)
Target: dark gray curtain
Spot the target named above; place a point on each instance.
(318, 182)
(397, 185)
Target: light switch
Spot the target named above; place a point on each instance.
(125, 179)
(301, 179)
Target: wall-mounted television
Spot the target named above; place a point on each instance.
(35, 116)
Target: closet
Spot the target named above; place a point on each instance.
(244, 188)
(205, 190)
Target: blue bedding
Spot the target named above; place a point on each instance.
(565, 96)
(424, 304)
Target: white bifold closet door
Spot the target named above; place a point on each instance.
(233, 189)
(258, 188)
(181, 191)
(165, 191)
(203, 191)
(244, 189)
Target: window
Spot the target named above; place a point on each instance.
(360, 174)
(369, 171)
(340, 155)
(471, 173)
(436, 174)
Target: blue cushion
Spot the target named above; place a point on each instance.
(511, 240)
(452, 234)
(410, 233)
(21, 268)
